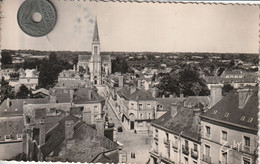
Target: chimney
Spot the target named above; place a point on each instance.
(120, 81)
(215, 93)
(87, 116)
(173, 109)
(8, 102)
(243, 95)
(100, 127)
(132, 89)
(153, 90)
(139, 83)
(53, 99)
(42, 134)
(89, 93)
(69, 129)
(71, 94)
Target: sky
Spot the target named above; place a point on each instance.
(139, 27)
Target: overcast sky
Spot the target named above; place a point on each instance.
(160, 27)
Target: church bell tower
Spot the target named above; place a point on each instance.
(95, 62)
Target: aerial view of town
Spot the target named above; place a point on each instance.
(128, 107)
(147, 107)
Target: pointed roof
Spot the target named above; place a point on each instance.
(95, 35)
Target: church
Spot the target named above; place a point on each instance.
(99, 66)
(96, 67)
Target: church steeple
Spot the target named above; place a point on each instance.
(95, 35)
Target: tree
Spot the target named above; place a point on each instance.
(120, 65)
(6, 58)
(186, 81)
(23, 92)
(6, 90)
(227, 88)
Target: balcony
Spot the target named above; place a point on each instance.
(206, 158)
(194, 154)
(185, 150)
(175, 145)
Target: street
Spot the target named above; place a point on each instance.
(135, 143)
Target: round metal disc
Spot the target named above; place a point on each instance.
(36, 17)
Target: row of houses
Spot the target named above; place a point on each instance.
(57, 127)
(224, 133)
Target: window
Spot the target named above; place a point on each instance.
(7, 137)
(149, 106)
(141, 116)
(207, 150)
(95, 49)
(186, 143)
(242, 118)
(156, 133)
(250, 119)
(167, 136)
(132, 105)
(195, 147)
(224, 135)
(156, 147)
(226, 115)
(207, 130)
(149, 115)
(140, 106)
(247, 141)
(246, 160)
(95, 109)
(186, 160)
(19, 136)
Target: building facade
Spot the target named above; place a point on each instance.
(229, 129)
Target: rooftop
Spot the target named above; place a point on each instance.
(227, 111)
(184, 123)
(137, 95)
(16, 106)
(86, 95)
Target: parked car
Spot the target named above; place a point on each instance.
(119, 129)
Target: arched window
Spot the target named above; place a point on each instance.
(95, 82)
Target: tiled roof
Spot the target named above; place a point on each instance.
(84, 57)
(167, 102)
(184, 123)
(56, 136)
(217, 79)
(139, 94)
(16, 105)
(81, 96)
(195, 100)
(62, 94)
(11, 126)
(227, 111)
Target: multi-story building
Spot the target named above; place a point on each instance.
(229, 129)
(29, 78)
(136, 107)
(176, 137)
(92, 103)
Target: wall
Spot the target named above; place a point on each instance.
(234, 138)
(9, 150)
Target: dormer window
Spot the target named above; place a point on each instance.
(226, 115)
(242, 118)
(250, 119)
(215, 112)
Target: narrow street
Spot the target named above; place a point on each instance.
(135, 143)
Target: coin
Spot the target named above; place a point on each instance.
(36, 17)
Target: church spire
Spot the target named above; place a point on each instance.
(96, 36)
